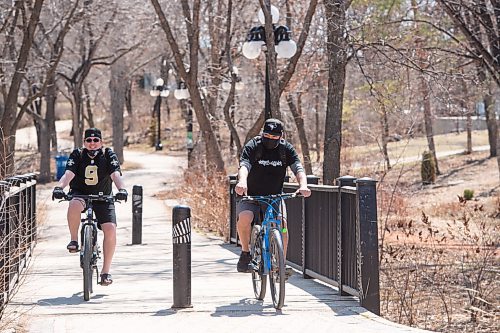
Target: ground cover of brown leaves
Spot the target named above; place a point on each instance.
(439, 253)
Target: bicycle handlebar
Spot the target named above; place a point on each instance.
(90, 197)
(271, 196)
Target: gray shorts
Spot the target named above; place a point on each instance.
(259, 208)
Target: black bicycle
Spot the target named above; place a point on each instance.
(90, 251)
(266, 249)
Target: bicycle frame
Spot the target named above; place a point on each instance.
(269, 222)
(89, 252)
(89, 221)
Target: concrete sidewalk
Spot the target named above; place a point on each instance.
(50, 298)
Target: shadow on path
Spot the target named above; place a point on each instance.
(74, 299)
(244, 308)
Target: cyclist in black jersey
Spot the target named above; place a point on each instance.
(92, 170)
(262, 171)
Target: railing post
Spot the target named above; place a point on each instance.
(4, 278)
(13, 208)
(181, 240)
(233, 233)
(137, 214)
(368, 261)
(32, 210)
(341, 264)
(313, 180)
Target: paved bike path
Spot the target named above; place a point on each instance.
(50, 298)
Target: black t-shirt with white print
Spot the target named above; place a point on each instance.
(92, 175)
(267, 174)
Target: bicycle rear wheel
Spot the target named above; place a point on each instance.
(277, 272)
(87, 262)
(258, 279)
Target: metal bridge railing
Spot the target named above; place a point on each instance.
(333, 235)
(17, 230)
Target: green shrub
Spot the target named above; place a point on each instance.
(428, 169)
(468, 194)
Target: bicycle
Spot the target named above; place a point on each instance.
(266, 250)
(90, 251)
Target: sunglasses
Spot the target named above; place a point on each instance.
(271, 136)
(89, 140)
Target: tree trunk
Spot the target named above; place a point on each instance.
(491, 123)
(468, 150)
(118, 91)
(385, 136)
(316, 135)
(45, 176)
(468, 115)
(131, 125)
(89, 114)
(498, 148)
(77, 116)
(425, 95)
(8, 120)
(50, 112)
(257, 126)
(337, 60)
(235, 139)
(272, 85)
(299, 122)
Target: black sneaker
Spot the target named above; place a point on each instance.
(244, 263)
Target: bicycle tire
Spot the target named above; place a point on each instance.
(277, 272)
(87, 262)
(258, 279)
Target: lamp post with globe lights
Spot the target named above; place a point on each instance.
(159, 91)
(182, 93)
(285, 47)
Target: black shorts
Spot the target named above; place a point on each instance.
(104, 212)
(259, 208)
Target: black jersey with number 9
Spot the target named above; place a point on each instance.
(92, 175)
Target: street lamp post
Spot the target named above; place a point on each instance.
(159, 91)
(182, 93)
(285, 47)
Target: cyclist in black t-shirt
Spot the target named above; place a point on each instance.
(91, 170)
(262, 171)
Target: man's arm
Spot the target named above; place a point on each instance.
(66, 179)
(302, 179)
(242, 187)
(118, 180)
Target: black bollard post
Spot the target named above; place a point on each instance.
(137, 214)
(181, 240)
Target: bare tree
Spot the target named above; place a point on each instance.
(46, 124)
(190, 76)
(335, 11)
(10, 86)
(466, 14)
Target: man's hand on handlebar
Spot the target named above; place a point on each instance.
(241, 188)
(305, 192)
(122, 195)
(58, 193)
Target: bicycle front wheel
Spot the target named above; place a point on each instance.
(258, 279)
(87, 262)
(277, 272)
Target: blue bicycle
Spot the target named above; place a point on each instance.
(266, 249)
